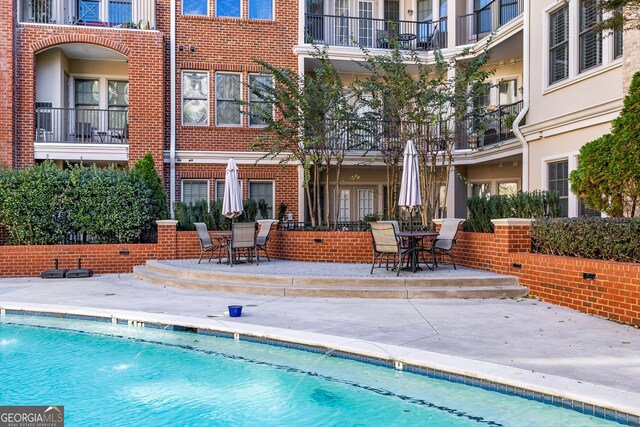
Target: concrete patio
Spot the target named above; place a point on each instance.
(549, 342)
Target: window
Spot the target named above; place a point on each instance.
(584, 210)
(120, 12)
(590, 40)
(194, 191)
(195, 7)
(444, 9)
(258, 107)
(507, 91)
(617, 44)
(227, 99)
(219, 189)
(481, 189)
(507, 188)
(195, 98)
(261, 9)
(262, 191)
(228, 8)
(341, 28)
(392, 10)
(44, 117)
(87, 102)
(559, 45)
(344, 202)
(118, 104)
(558, 175)
(365, 203)
(482, 11)
(483, 98)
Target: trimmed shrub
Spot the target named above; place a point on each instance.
(614, 239)
(32, 205)
(146, 171)
(533, 204)
(112, 205)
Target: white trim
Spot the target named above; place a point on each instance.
(215, 99)
(182, 123)
(76, 151)
(208, 181)
(222, 157)
(195, 14)
(587, 74)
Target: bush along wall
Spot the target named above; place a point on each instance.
(44, 204)
(533, 204)
(614, 239)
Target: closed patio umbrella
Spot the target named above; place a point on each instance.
(410, 198)
(232, 201)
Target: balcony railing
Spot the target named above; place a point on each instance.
(81, 125)
(352, 31)
(482, 22)
(139, 14)
(482, 130)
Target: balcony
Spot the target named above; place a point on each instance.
(368, 33)
(137, 14)
(479, 24)
(81, 125)
(484, 130)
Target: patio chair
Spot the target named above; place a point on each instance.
(387, 246)
(443, 244)
(396, 225)
(263, 235)
(243, 242)
(206, 243)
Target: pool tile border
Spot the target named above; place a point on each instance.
(549, 399)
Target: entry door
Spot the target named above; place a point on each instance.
(341, 29)
(365, 33)
(344, 206)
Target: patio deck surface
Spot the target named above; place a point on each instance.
(516, 338)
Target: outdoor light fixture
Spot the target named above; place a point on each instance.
(589, 276)
(410, 11)
(180, 47)
(192, 48)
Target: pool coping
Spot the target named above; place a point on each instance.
(592, 399)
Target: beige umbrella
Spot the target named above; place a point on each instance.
(410, 198)
(232, 200)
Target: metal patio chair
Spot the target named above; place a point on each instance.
(263, 235)
(443, 244)
(207, 244)
(243, 242)
(387, 246)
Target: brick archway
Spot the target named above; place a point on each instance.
(43, 44)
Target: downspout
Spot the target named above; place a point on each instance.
(525, 102)
(172, 107)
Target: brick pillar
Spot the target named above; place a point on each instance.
(512, 235)
(7, 72)
(167, 239)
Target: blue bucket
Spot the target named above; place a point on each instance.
(235, 310)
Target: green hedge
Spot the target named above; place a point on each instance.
(615, 239)
(533, 204)
(44, 204)
(186, 215)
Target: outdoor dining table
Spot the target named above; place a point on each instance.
(414, 237)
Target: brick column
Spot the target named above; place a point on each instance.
(511, 235)
(7, 72)
(167, 239)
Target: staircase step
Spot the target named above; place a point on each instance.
(356, 287)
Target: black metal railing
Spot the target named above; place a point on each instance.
(474, 26)
(83, 125)
(140, 14)
(487, 128)
(352, 31)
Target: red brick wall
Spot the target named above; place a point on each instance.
(145, 53)
(27, 261)
(335, 246)
(285, 180)
(614, 294)
(7, 18)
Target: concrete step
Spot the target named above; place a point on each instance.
(406, 279)
(394, 289)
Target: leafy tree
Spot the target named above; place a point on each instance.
(620, 14)
(409, 99)
(146, 171)
(311, 123)
(608, 174)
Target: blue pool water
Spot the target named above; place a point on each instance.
(114, 375)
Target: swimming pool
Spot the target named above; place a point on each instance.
(109, 374)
